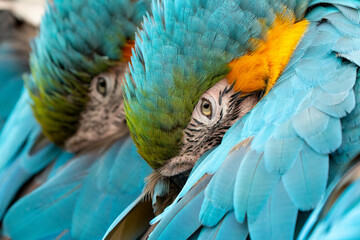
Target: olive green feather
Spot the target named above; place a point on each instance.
(77, 41)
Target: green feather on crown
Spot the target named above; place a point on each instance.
(182, 51)
(77, 41)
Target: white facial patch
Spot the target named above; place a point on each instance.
(103, 120)
(217, 110)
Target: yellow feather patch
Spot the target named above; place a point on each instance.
(260, 69)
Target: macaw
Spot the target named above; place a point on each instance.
(77, 65)
(274, 82)
(337, 214)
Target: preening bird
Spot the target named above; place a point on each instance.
(77, 65)
(284, 70)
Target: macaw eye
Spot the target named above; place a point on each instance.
(206, 108)
(101, 86)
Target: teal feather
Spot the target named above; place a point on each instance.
(228, 228)
(22, 157)
(61, 204)
(29, 214)
(282, 149)
(62, 64)
(336, 216)
(307, 179)
(260, 184)
(220, 187)
(310, 108)
(277, 219)
(14, 53)
(112, 184)
(190, 209)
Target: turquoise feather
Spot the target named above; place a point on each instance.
(21, 157)
(105, 184)
(337, 214)
(289, 145)
(14, 53)
(96, 185)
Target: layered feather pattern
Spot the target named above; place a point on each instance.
(23, 151)
(183, 50)
(284, 145)
(337, 214)
(77, 41)
(83, 198)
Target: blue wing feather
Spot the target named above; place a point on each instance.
(115, 180)
(220, 187)
(337, 215)
(277, 219)
(295, 127)
(228, 228)
(107, 184)
(307, 179)
(14, 50)
(21, 158)
(29, 215)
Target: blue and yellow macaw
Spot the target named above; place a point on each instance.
(77, 65)
(274, 82)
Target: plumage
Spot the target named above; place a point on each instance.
(63, 202)
(336, 215)
(14, 52)
(288, 147)
(71, 75)
(23, 151)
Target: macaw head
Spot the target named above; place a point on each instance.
(198, 67)
(77, 65)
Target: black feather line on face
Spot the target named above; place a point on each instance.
(220, 98)
(116, 81)
(201, 137)
(193, 129)
(198, 122)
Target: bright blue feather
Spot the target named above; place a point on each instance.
(289, 134)
(21, 157)
(277, 219)
(337, 215)
(307, 179)
(190, 209)
(228, 228)
(31, 213)
(106, 184)
(115, 180)
(14, 49)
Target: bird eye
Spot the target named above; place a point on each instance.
(206, 108)
(101, 86)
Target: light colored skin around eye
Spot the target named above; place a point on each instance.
(103, 120)
(204, 132)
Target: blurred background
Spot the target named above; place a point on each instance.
(19, 22)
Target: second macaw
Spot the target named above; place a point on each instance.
(77, 65)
